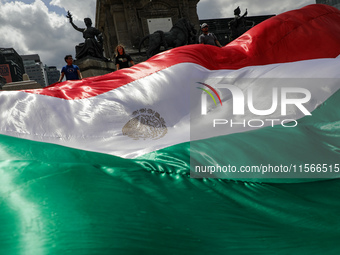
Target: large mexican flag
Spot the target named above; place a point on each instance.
(107, 165)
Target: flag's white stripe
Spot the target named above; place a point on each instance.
(96, 123)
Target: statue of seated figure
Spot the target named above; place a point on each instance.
(93, 44)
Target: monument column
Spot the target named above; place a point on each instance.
(128, 21)
(132, 21)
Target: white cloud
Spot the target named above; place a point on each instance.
(33, 29)
(80, 9)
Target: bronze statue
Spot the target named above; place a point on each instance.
(93, 45)
(182, 33)
(239, 24)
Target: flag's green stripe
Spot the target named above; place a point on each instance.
(56, 200)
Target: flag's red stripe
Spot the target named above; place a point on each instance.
(308, 33)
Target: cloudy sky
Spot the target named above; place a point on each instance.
(40, 26)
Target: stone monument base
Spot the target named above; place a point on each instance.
(90, 66)
(20, 85)
(136, 56)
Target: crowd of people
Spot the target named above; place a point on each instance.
(124, 60)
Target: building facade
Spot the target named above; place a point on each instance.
(11, 65)
(52, 74)
(334, 3)
(35, 69)
(128, 21)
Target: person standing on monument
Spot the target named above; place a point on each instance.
(70, 71)
(122, 59)
(208, 38)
